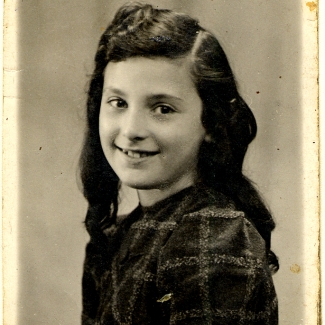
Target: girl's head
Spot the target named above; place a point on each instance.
(140, 35)
(150, 124)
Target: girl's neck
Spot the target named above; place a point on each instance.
(150, 197)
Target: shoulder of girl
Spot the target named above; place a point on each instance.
(222, 234)
(222, 225)
(220, 220)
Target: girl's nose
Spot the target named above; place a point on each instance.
(134, 125)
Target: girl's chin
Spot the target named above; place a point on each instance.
(146, 184)
(143, 185)
(167, 186)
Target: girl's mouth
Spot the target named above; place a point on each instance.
(137, 153)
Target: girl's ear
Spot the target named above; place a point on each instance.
(208, 138)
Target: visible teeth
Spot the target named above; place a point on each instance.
(135, 154)
(132, 154)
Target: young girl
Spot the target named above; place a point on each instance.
(165, 118)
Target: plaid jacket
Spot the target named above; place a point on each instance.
(189, 259)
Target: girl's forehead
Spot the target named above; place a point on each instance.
(152, 74)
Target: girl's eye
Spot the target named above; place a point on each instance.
(164, 109)
(118, 103)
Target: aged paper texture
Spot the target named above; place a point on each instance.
(48, 57)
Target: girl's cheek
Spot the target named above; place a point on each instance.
(106, 120)
(105, 132)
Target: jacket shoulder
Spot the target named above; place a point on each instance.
(215, 265)
(216, 232)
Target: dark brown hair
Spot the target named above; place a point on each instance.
(141, 30)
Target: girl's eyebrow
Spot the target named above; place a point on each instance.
(164, 96)
(116, 91)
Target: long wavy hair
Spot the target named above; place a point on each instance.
(141, 30)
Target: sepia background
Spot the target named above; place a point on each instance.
(57, 42)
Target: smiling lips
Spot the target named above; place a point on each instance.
(137, 153)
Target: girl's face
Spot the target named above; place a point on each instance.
(150, 123)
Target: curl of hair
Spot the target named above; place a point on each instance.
(141, 30)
